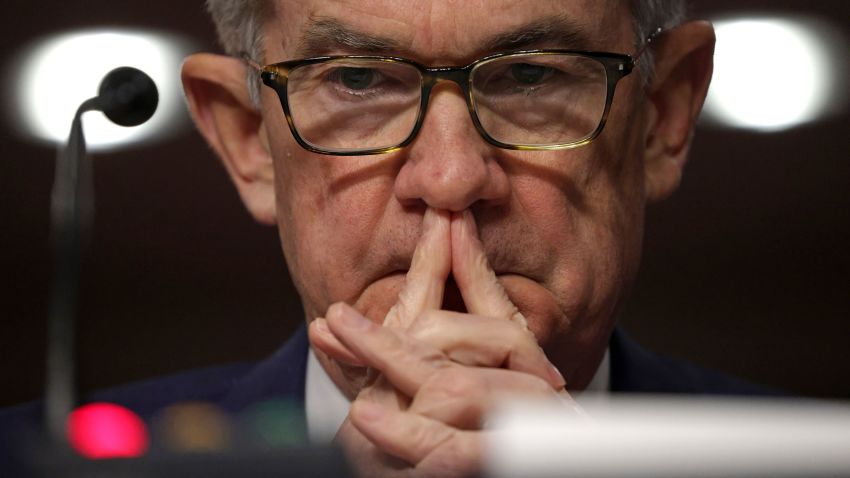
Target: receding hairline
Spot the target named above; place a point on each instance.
(240, 23)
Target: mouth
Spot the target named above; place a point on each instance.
(452, 297)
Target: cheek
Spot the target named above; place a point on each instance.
(557, 218)
(588, 220)
(327, 224)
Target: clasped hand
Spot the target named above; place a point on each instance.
(435, 373)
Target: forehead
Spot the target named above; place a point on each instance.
(448, 30)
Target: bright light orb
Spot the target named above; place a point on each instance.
(105, 430)
(771, 74)
(58, 74)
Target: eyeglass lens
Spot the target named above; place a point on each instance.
(531, 99)
(540, 100)
(352, 104)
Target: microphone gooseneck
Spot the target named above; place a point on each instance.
(127, 97)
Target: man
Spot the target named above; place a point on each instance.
(459, 188)
(458, 234)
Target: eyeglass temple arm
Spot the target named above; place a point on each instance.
(651, 38)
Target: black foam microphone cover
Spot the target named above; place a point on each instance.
(129, 96)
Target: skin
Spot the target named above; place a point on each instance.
(468, 271)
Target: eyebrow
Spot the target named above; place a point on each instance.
(558, 31)
(325, 34)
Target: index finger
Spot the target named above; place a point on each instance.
(482, 293)
(426, 279)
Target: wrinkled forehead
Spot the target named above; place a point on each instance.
(446, 31)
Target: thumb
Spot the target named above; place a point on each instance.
(482, 293)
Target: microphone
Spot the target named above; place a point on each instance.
(128, 97)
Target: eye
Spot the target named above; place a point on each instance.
(354, 78)
(528, 74)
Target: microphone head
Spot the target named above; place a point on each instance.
(129, 96)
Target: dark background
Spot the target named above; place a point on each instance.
(745, 268)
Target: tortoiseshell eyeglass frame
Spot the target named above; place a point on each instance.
(617, 66)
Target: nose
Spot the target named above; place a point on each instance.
(449, 166)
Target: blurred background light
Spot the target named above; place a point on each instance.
(194, 427)
(60, 72)
(105, 430)
(280, 423)
(774, 73)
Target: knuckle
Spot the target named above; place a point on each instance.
(398, 354)
(425, 321)
(421, 438)
(429, 326)
(518, 337)
(465, 456)
(456, 382)
(518, 340)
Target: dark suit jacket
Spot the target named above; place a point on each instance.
(283, 374)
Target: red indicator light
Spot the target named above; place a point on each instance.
(105, 430)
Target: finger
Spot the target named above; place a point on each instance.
(323, 339)
(407, 436)
(569, 402)
(381, 391)
(363, 455)
(478, 341)
(461, 396)
(426, 279)
(482, 293)
(406, 363)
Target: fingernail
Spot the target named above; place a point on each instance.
(321, 326)
(556, 376)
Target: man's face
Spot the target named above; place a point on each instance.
(561, 229)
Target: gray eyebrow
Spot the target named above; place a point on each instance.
(558, 31)
(324, 34)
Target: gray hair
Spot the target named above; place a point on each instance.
(649, 15)
(239, 24)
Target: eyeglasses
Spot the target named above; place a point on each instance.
(527, 100)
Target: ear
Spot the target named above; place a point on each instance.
(218, 100)
(683, 67)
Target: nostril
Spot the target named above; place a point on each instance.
(451, 181)
(413, 205)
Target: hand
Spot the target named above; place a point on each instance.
(440, 370)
